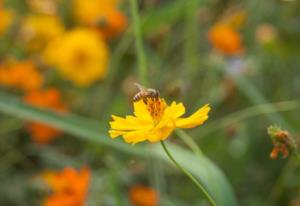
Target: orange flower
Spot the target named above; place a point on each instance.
(143, 196)
(102, 15)
(282, 141)
(225, 39)
(22, 75)
(69, 187)
(49, 99)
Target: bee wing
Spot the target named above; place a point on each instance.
(140, 87)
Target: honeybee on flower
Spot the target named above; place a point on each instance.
(154, 120)
(145, 93)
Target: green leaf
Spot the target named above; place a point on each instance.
(208, 173)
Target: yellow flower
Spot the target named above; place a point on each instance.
(154, 120)
(79, 55)
(44, 6)
(6, 18)
(103, 15)
(38, 30)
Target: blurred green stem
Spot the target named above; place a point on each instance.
(191, 36)
(279, 183)
(142, 63)
(188, 140)
(297, 156)
(250, 112)
(187, 173)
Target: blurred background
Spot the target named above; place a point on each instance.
(78, 56)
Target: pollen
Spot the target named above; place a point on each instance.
(156, 107)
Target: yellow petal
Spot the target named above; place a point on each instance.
(195, 119)
(160, 134)
(115, 133)
(140, 111)
(175, 110)
(128, 123)
(171, 113)
(134, 137)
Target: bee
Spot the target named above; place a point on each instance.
(145, 93)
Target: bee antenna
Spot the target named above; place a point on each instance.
(140, 87)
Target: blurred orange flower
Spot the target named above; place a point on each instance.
(282, 141)
(69, 187)
(47, 99)
(143, 196)
(22, 75)
(80, 56)
(38, 30)
(101, 14)
(6, 19)
(225, 39)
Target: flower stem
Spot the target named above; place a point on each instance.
(187, 173)
(189, 141)
(297, 156)
(142, 63)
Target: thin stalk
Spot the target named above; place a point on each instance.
(188, 140)
(261, 109)
(281, 179)
(142, 63)
(297, 156)
(187, 173)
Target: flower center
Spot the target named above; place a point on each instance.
(156, 108)
(80, 57)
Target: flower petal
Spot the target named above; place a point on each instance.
(195, 119)
(140, 111)
(171, 113)
(150, 135)
(175, 110)
(160, 134)
(128, 123)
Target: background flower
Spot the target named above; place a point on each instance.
(79, 55)
(143, 196)
(45, 99)
(22, 75)
(103, 15)
(6, 19)
(69, 187)
(37, 30)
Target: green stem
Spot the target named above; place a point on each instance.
(142, 63)
(297, 156)
(261, 109)
(187, 173)
(281, 179)
(188, 140)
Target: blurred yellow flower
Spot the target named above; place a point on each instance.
(79, 55)
(234, 17)
(266, 34)
(44, 6)
(20, 75)
(102, 15)
(154, 120)
(225, 39)
(6, 19)
(69, 187)
(38, 30)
